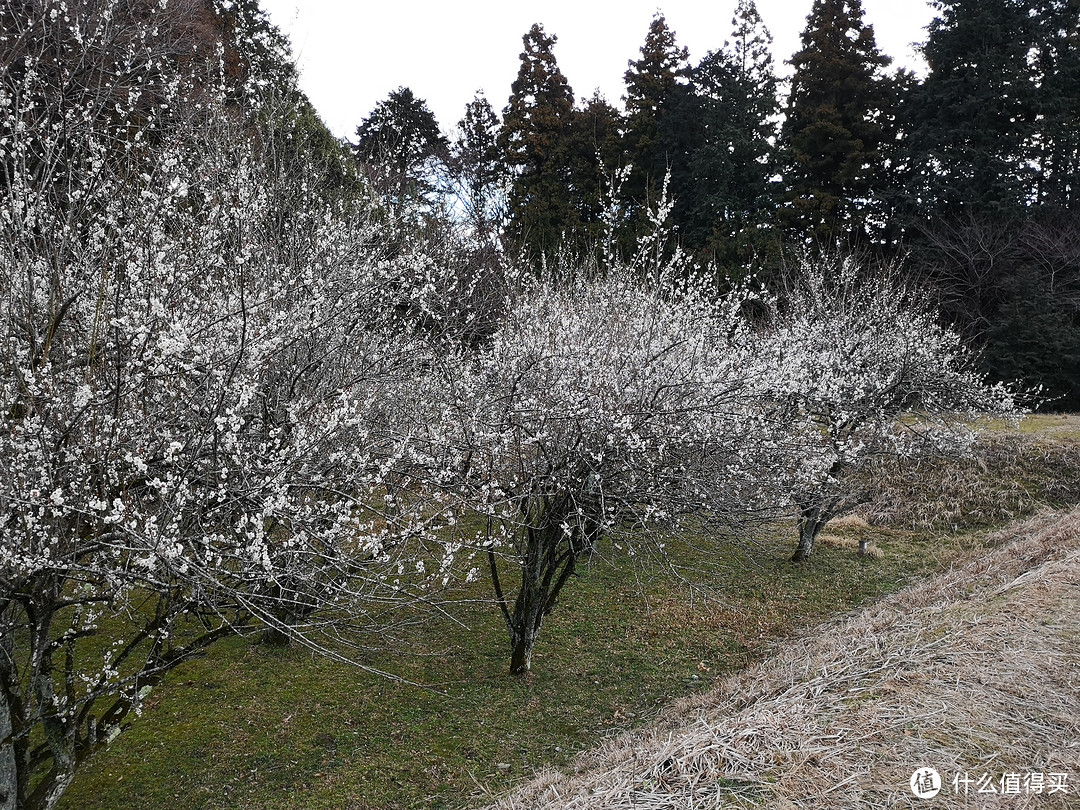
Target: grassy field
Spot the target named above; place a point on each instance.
(970, 670)
(251, 726)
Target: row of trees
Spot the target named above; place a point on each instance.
(240, 394)
(845, 152)
(854, 152)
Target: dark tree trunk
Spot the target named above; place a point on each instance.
(812, 518)
(293, 607)
(522, 640)
(60, 730)
(549, 558)
(529, 606)
(10, 750)
(274, 636)
(9, 767)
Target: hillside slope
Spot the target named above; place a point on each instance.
(975, 673)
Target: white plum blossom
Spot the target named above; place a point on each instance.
(189, 385)
(596, 403)
(857, 366)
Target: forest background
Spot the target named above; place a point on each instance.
(263, 381)
(966, 173)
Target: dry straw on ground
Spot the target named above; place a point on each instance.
(1007, 477)
(849, 544)
(976, 671)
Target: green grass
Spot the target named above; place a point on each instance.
(250, 726)
(1055, 426)
(1059, 426)
(255, 727)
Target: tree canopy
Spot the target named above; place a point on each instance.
(656, 90)
(535, 139)
(397, 143)
(725, 203)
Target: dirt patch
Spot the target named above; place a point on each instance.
(975, 673)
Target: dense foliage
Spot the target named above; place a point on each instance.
(836, 127)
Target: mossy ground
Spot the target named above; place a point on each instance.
(251, 726)
(257, 727)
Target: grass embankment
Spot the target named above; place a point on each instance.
(970, 672)
(256, 727)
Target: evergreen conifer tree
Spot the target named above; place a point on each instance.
(657, 101)
(728, 200)
(1058, 101)
(973, 120)
(835, 130)
(397, 143)
(994, 152)
(535, 142)
(595, 155)
(477, 166)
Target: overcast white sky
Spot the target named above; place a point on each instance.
(352, 54)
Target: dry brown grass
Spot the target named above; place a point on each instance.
(854, 521)
(1009, 476)
(849, 544)
(973, 671)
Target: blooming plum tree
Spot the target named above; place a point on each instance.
(861, 368)
(600, 403)
(192, 439)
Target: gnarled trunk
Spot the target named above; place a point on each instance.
(548, 559)
(29, 698)
(812, 518)
(522, 640)
(291, 606)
